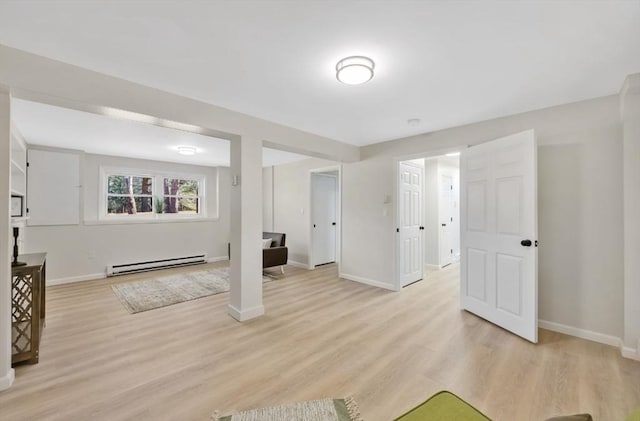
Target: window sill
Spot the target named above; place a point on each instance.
(148, 221)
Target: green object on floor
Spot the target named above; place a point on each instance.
(635, 416)
(443, 406)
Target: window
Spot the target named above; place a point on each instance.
(181, 196)
(131, 194)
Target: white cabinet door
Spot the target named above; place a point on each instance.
(498, 200)
(410, 219)
(53, 188)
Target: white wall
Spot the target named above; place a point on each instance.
(368, 233)
(291, 201)
(431, 220)
(77, 252)
(580, 207)
(630, 113)
(6, 372)
(445, 167)
(267, 199)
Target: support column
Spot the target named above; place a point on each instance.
(6, 372)
(630, 113)
(246, 229)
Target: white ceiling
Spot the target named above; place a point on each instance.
(46, 125)
(445, 62)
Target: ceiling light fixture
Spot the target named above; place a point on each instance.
(187, 150)
(355, 70)
(453, 154)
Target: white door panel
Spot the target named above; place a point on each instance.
(410, 214)
(445, 213)
(324, 214)
(498, 199)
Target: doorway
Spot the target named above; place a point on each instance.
(428, 215)
(324, 217)
(442, 211)
(491, 224)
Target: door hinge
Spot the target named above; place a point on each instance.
(397, 229)
(27, 165)
(451, 187)
(27, 210)
(451, 251)
(451, 219)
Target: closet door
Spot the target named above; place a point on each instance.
(53, 188)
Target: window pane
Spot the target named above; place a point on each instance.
(182, 205)
(188, 205)
(121, 184)
(176, 186)
(144, 204)
(119, 205)
(125, 205)
(170, 205)
(116, 184)
(141, 185)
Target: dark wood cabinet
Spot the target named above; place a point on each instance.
(27, 307)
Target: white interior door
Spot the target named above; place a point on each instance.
(324, 202)
(445, 215)
(498, 201)
(410, 220)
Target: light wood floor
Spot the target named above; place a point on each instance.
(321, 337)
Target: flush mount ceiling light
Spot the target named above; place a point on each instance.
(187, 150)
(355, 70)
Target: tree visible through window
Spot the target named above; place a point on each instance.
(153, 194)
(181, 196)
(127, 194)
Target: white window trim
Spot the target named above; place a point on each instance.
(157, 191)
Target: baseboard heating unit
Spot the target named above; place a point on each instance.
(123, 269)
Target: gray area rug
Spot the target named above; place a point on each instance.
(161, 292)
(319, 410)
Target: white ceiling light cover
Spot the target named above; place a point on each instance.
(355, 70)
(187, 150)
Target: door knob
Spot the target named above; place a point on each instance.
(333, 223)
(526, 243)
(444, 225)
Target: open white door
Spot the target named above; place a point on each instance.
(498, 218)
(410, 220)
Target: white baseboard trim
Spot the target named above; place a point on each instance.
(80, 278)
(7, 380)
(247, 314)
(367, 281)
(297, 264)
(627, 352)
(630, 353)
(580, 333)
(217, 259)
